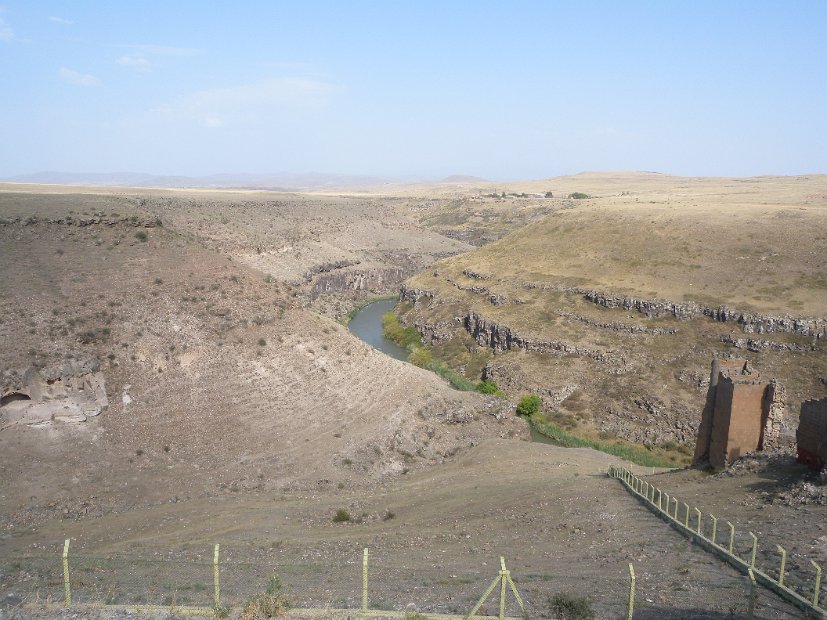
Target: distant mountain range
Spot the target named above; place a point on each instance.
(276, 181)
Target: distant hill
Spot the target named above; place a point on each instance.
(463, 178)
(278, 181)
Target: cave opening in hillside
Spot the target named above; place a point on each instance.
(12, 397)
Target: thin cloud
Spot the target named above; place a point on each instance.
(78, 79)
(61, 20)
(218, 107)
(139, 63)
(167, 50)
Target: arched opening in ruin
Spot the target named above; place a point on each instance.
(12, 397)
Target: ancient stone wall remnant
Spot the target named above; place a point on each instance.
(742, 414)
(811, 435)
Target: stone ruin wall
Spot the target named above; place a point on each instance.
(742, 414)
(812, 433)
(736, 427)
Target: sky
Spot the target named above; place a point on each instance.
(500, 90)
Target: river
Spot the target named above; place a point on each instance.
(367, 326)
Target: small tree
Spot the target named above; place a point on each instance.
(549, 195)
(528, 405)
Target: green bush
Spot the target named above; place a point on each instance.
(489, 387)
(570, 607)
(528, 405)
(579, 195)
(341, 516)
(141, 236)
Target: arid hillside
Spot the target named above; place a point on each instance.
(218, 377)
(612, 306)
(175, 374)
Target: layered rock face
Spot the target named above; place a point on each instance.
(619, 351)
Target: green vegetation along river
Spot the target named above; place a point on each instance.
(367, 325)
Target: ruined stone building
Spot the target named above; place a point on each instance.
(742, 413)
(811, 435)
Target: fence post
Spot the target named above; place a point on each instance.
(817, 589)
(631, 591)
(659, 498)
(676, 508)
(698, 512)
(686, 516)
(503, 577)
(754, 549)
(731, 535)
(365, 580)
(668, 503)
(753, 592)
(66, 585)
(714, 527)
(217, 590)
(783, 553)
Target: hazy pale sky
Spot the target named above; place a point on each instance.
(496, 89)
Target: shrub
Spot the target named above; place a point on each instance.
(579, 195)
(549, 195)
(341, 516)
(421, 357)
(569, 607)
(262, 342)
(528, 405)
(489, 387)
(141, 236)
(270, 604)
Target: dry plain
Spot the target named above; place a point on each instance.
(242, 411)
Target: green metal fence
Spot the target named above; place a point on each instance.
(722, 539)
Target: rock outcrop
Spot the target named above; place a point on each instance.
(71, 392)
(342, 280)
(750, 323)
(501, 338)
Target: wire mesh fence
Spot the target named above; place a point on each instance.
(721, 538)
(229, 577)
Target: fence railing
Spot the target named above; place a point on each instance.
(692, 524)
(209, 584)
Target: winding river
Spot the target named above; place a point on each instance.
(367, 326)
